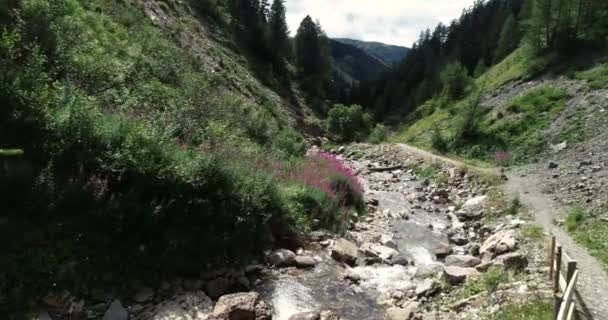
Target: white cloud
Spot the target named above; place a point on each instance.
(390, 21)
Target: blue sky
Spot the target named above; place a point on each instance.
(396, 22)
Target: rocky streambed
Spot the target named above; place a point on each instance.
(426, 234)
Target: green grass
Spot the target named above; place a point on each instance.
(530, 310)
(532, 232)
(591, 233)
(10, 152)
(519, 64)
(596, 77)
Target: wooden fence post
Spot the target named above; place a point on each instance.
(556, 273)
(570, 271)
(552, 257)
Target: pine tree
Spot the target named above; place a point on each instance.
(312, 56)
(279, 31)
(264, 11)
(509, 38)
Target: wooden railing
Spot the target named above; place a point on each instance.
(564, 285)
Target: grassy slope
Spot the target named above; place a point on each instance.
(513, 130)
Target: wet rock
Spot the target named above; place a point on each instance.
(458, 239)
(499, 243)
(388, 241)
(352, 276)
(144, 294)
(425, 288)
(305, 262)
(464, 261)
(399, 259)
(345, 251)
(378, 251)
(281, 258)
(116, 312)
(457, 275)
(442, 250)
(241, 306)
(310, 315)
(427, 271)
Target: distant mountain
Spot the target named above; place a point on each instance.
(386, 53)
(354, 64)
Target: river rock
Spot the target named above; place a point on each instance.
(469, 214)
(378, 251)
(406, 312)
(329, 315)
(426, 288)
(499, 243)
(345, 251)
(116, 312)
(457, 275)
(241, 306)
(399, 259)
(281, 258)
(474, 203)
(464, 261)
(194, 305)
(388, 241)
(305, 262)
(310, 315)
(427, 271)
(442, 250)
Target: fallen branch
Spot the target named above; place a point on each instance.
(384, 169)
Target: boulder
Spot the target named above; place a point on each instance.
(469, 214)
(388, 241)
(305, 262)
(241, 306)
(553, 165)
(116, 312)
(501, 242)
(345, 251)
(281, 258)
(474, 203)
(515, 261)
(399, 259)
(427, 271)
(457, 275)
(442, 250)
(378, 251)
(329, 315)
(193, 305)
(426, 288)
(460, 260)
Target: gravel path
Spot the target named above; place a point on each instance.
(593, 283)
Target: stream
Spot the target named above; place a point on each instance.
(292, 291)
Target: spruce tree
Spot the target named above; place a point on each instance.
(312, 56)
(279, 31)
(509, 38)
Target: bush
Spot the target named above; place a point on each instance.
(438, 142)
(574, 219)
(290, 143)
(348, 123)
(378, 134)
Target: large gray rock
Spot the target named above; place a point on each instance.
(501, 242)
(515, 260)
(426, 288)
(241, 306)
(388, 241)
(345, 251)
(281, 258)
(305, 262)
(378, 251)
(460, 260)
(116, 312)
(193, 305)
(427, 271)
(457, 275)
(442, 250)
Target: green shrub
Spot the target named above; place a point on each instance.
(438, 142)
(348, 123)
(574, 219)
(290, 143)
(378, 134)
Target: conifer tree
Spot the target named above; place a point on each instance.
(279, 31)
(312, 56)
(509, 38)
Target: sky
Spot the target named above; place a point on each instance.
(397, 22)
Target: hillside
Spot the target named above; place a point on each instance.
(388, 54)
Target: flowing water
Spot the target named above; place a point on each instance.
(323, 288)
